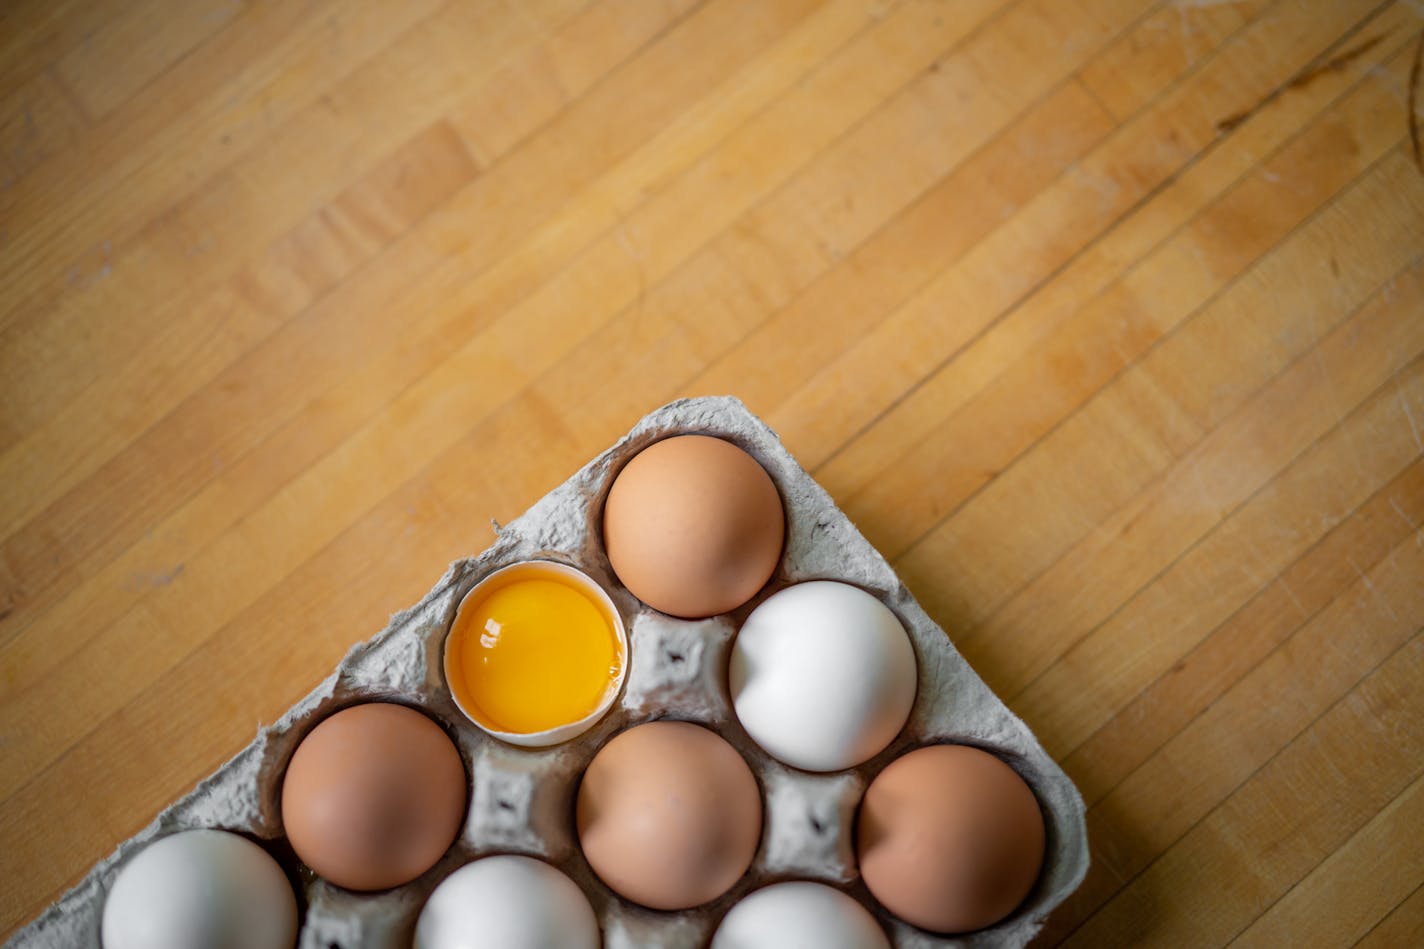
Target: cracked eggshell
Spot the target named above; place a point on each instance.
(562, 733)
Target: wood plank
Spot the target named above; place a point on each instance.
(275, 357)
(124, 398)
(396, 376)
(1098, 315)
(37, 120)
(1048, 280)
(1166, 799)
(34, 34)
(1172, 40)
(1329, 469)
(136, 46)
(299, 269)
(271, 359)
(192, 239)
(1104, 324)
(1154, 420)
(218, 105)
(1199, 677)
(1309, 799)
(1255, 293)
(1111, 331)
(832, 360)
(1338, 902)
(1404, 926)
(1205, 493)
(102, 527)
(367, 464)
(737, 286)
(1158, 405)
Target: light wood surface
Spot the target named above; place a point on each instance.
(1101, 318)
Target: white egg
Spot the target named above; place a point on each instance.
(507, 902)
(799, 916)
(822, 675)
(200, 889)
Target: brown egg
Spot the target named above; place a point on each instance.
(669, 815)
(950, 838)
(693, 526)
(373, 796)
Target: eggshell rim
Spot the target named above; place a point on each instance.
(560, 733)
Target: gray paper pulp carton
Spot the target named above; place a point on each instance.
(522, 800)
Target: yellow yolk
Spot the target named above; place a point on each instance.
(535, 653)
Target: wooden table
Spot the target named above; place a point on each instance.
(1101, 318)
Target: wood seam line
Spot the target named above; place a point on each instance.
(964, 39)
(1246, 604)
(1376, 393)
(577, 255)
(1070, 79)
(1371, 297)
(7, 635)
(1383, 919)
(979, 28)
(6, 323)
(200, 46)
(80, 738)
(13, 315)
(1289, 743)
(501, 161)
(1408, 788)
(1132, 210)
(1215, 295)
(376, 255)
(1181, 325)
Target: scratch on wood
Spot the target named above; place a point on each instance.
(1379, 598)
(636, 255)
(1413, 104)
(156, 578)
(1409, 414)
(1300, 80)
(1290, 592)
(1418, 529)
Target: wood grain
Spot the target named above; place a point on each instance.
(1104, 319)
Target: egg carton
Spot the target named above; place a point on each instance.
(522, 800)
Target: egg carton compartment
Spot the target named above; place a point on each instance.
(522, 800)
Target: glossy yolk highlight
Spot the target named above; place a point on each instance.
(536, 654)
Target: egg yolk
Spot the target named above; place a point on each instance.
(535, 654)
